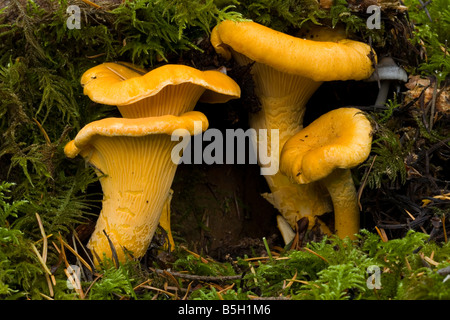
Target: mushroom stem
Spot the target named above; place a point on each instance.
(134, 192)
(343, 195)
(164, 222)
(283, 99)
(387, 71)
(382, 93)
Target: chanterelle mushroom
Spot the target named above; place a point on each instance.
(133, 159)
(326, 150)
(287, 70)
(169, 89)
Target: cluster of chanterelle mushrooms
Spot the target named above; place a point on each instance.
(132, 155)
(314, 176)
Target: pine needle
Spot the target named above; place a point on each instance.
(48, 277)
(291, 281)
(45, 296)
(76, 254)
(44, 238)
(382, 234)
(75, 283)
(35, 250)
(195, 254)
(47, 139)
(310, 251)
(187, 291)
(72, 277)
(92, 4)
(159, 290)
(430, 261)
(117, 73)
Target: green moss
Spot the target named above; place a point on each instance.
(424, 284)
(432, 30)
(150, 30)
(115, 283)
(19, 270)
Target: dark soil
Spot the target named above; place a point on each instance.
(222, 212)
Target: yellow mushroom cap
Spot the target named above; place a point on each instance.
(318, 60)
(340, 138)
(122, 84)
(134, 127)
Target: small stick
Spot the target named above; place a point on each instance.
(433, 104)
(196, 277)
(92, 283)
(50, 281)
